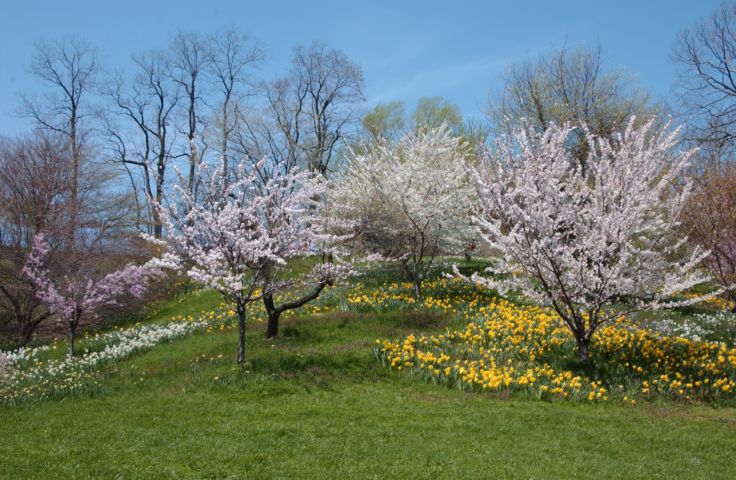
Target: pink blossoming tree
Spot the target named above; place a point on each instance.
(79, 293)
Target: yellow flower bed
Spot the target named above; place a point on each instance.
(529, 349)
(443, 295)
(718, 303)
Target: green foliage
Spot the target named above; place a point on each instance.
(431, 112)
(385, 121)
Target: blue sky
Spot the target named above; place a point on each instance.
(408, 49)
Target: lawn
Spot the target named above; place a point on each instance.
(316, 403)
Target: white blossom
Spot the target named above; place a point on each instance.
(578, 236)
(410, 200)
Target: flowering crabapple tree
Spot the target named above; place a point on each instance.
(240, 233)
(581, 237)
(78, 292)
(409, 201)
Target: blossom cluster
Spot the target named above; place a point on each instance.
(580, 234)
(241, 230)
(72, 295)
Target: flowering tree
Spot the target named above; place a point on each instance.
(410, 200)
(78, 293)
(578, 238)
(240, 234)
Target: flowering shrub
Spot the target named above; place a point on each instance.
(509, 348)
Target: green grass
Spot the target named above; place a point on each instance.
(316, 403)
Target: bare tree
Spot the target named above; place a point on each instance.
(707, 85)
(569, 86)
(189, 56)
(148, 106)
(709, 220)
(69, 68)
(314, 106)
(230, 55)
(34, 189)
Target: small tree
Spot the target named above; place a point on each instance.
(709, 219)
(78, 293)
(410, 200)
(243, 232)
(34, 193)
(579, 238)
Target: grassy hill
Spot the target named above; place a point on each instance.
(316, 403)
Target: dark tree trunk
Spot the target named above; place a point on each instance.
(583, 343)
(406, 270)
(158, 228)
(417, 278)
(417, 287)
(72, 336)
(413, 275)
(26, 336)
(26, 330)
(274, 312)
(74, 187)
(272, 329)
(241, 334)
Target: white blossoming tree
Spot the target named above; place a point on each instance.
(240, 232)
(580, 237)
(409, 200)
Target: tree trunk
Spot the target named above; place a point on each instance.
(405, 269)
(275, 312)
(223, 146)
(26, 331)
(272, 330)
(417, 278)
(192, 164)
(413, 275)
(241, 334)
(160, 170)
(73, 200)
(417, 288)
(72, 335)
(583, 347)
